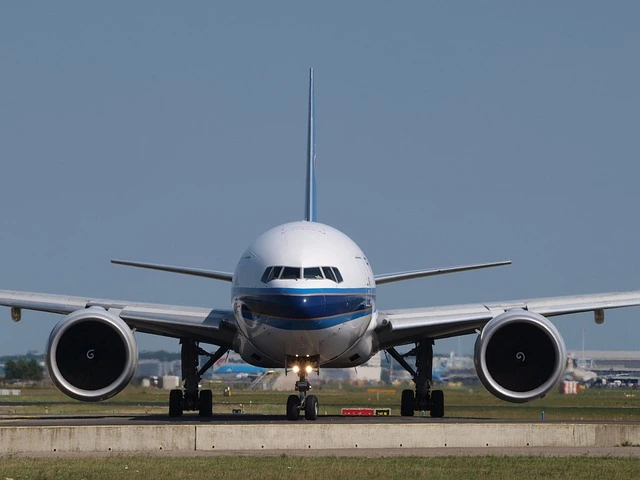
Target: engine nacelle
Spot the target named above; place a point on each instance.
(519, 356)
(91, 354)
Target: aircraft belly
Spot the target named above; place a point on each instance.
(273, 343)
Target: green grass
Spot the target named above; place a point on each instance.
(265, 468)
(588, 405)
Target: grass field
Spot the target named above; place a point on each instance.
(266, 468)
(592, 405)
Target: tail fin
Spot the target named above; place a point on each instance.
(310, 207)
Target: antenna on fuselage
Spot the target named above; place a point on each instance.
(310, 204)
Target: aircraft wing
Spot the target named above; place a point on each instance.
(216, 326)
(399, 327)
(395, 277)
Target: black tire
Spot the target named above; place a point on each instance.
(311, 408)
(437, 403)
(293, 407)
(407, 403)
(175, 403)
(206, 403)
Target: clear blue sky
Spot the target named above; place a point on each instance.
(447, 133)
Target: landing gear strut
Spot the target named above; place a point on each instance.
(302, 402)
(192, 398)
(424, 398)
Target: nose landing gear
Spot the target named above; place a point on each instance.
(302, 366)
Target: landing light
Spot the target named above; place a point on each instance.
(295, 369)
(308, 369)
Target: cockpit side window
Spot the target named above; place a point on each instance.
(266, 274)
(290, 273)
(275, 273)
(328, 273)
(339, 278)
(313, 273)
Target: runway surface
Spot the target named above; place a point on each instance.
(244, 419)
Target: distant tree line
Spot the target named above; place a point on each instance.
(23, 369)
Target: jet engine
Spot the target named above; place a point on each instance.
(519, 356)
(91, 354)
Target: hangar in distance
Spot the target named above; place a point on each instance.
(303, 298)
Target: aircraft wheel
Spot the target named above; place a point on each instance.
(175, 403)
(407, 403)
(437, 403)
(206, 403)
(311, 408)
(293, 407)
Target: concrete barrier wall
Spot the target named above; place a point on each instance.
(305, 435)
(319, 436)
(96, 439)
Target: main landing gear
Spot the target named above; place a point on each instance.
(424, 398)
(192, 398)
(302, 366)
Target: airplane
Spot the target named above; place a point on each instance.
(581, 375)
(304, 297)
(239, 369)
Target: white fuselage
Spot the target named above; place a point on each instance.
(304, 289)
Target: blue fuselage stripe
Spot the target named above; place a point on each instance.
(304, 291)
(304, 309)
(308, 324)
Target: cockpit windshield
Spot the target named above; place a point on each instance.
(295, 273)
(290, 273)
(313, 273)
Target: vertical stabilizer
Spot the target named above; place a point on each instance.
(310, 206)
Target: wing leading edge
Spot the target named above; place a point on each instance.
(396, 277)
(215, 326)
(399, 327)
(196, 272)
